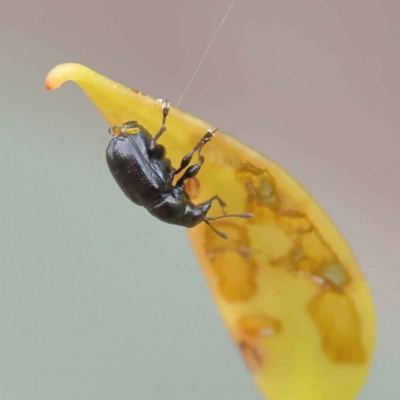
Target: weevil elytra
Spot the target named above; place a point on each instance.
(139, 166)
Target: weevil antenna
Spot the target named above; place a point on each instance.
(219, 233)
(205, 53)
(246, 215)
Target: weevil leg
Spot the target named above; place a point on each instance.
(186, 160)
(163, 128)
(192, 171)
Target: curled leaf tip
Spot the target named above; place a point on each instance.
(65, 72)
(60, 74)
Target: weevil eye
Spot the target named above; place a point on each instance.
(158, 151)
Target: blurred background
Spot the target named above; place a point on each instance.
(98, 300)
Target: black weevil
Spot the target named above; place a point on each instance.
(138, 164)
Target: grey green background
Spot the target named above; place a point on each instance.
(98, 300)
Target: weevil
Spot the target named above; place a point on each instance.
(140, 167)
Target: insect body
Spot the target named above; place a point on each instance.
(138, 164)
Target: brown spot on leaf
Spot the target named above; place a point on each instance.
(252, 356)
(259, 326)
(293, 222)
(138, 92)
(253, 330)
(232, 262)
(333, 273)
(339, 327)
(310, 253)
(236, 275)
(260, 187)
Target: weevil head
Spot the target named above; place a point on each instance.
(194, 214)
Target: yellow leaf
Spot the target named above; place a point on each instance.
(286, 283)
